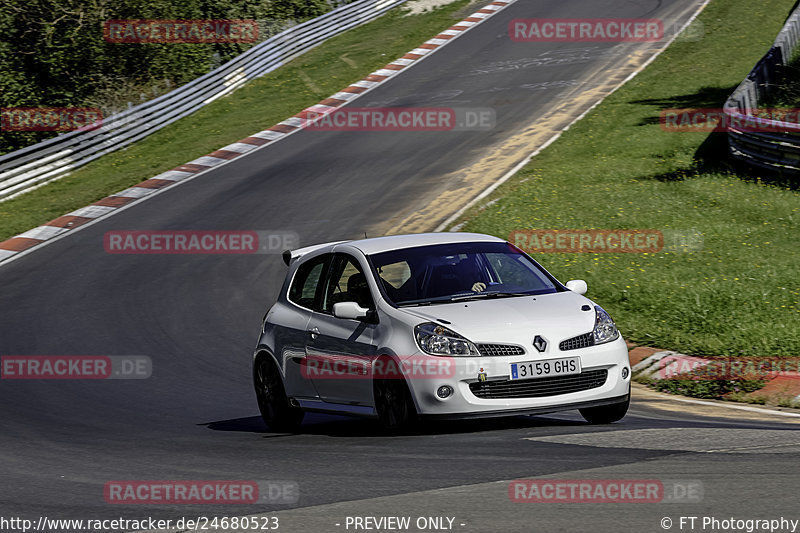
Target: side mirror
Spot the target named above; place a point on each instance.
(577, 285)
(350, 310)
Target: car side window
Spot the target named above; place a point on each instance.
(306, 287)
(347, 283)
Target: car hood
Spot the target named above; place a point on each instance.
(514, 320)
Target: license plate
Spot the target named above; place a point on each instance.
(546, 368)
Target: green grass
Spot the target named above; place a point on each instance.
(617, 168)
(717, 389)
(257, 106)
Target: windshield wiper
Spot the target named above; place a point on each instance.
(463, 297)
(415, 304)
(500, 294)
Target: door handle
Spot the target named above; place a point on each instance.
(314, 332)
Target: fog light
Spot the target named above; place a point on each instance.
(444, 391)
(625, 373)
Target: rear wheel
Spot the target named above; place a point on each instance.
(606, 414)
(272, 400)
(393, 403)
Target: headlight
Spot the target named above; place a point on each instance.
(439, 340)
(604, 328)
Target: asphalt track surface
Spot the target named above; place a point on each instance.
(197, 317)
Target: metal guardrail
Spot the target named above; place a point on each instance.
(30, 167)
(776, 144)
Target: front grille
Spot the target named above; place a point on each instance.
(538, 388)
(581, 341)
(488, 350)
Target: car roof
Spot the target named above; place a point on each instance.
(376, 245)
(397, 242)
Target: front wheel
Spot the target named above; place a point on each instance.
(606, 414)
(393, 404)
(272, 400)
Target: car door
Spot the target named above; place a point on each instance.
(305, 295)
(340, 351)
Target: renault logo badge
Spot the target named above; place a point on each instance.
(539, 343)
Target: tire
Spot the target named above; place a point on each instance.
(393, 404)
(606, 414)
(272, 400)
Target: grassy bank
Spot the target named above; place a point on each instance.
(257, 106)
(737, 292)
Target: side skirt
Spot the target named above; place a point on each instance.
(321, 406)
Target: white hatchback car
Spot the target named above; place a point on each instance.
(451, 325)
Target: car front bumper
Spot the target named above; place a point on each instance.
(465, 371)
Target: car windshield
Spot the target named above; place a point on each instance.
(458, 272)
